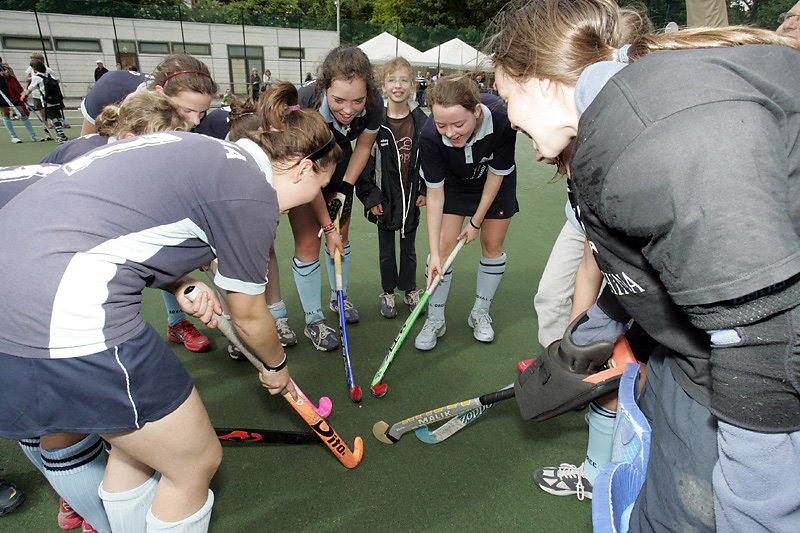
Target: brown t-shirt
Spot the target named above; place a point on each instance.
(403, 131)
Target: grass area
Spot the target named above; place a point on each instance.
(479, 480)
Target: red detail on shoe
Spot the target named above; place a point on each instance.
(86, 528)
(184, 332)
(522, 365)
(67, 517)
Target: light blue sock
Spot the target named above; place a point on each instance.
(490, 272)
(9, 126)
(307, 278)
(278, 310)
(601, 430)
(75, 473)
(30, 447)
(438, 299)
(174, 312)
(28, 126)
(332, 270)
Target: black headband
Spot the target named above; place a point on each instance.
(322, 150)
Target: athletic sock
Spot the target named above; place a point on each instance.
(332, 270)
(28, 125)
(307, 278)
(174, 312)
(127, 511)
(30, 447)
(9, 126)
(196, 523)
(490, 272)
(60, 132)
(438, 299)
(601, 430)
(76, 473)
(278, 310)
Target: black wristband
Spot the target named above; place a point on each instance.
(345, 188)
(473, 224)
(279, 367)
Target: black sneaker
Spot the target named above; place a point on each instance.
(10, 497)
(350, 312)
(388, 309)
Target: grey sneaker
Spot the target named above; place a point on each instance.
(322, 336)
(37, 139)
(412, 299)
(350, 312)
(285, 333)
(563, 480)
(234, 352)
(431, 330)
(481, 324)
(388, 310)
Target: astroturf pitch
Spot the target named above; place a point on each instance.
(481, 479)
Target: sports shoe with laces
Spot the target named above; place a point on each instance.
(67, 517)
(285, 333)
(350, 312)
(185, 333)
(16, 140)
(388, 309)
(411, 298)
(86, 528)
(431, 330)
(322, 336)
(234, 352)
(37, 139)
(563, 480)
(481, 324)
(10, 497)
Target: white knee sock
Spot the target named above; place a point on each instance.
(438, 300)
(127, 511)
(490, 272)
(75, 473)
(196, 523)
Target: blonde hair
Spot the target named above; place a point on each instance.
(141, 112)
(558, 39)
(396, 64)
(287, 133)
(455, 90)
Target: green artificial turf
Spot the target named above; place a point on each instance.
(478, 480)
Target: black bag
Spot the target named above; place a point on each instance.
(52, 92)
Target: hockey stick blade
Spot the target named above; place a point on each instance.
(224, 325)
(449, 428)
(264, 436)
(379, 389)
(390, 435)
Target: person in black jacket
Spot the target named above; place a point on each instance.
(391, 189)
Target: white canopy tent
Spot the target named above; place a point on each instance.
(385, 47)
(456, 54)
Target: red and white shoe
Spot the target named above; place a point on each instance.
(185, 333)
(522, 365)
(67, 517)
(86, 528)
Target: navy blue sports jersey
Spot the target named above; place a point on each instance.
(112, 88)
(140, 212)
(490, 149)
(14, 180)
(369, 120)
(74, 148)
(215, 124)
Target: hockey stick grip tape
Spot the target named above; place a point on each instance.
(498, 396)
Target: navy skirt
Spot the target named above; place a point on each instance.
(462, 198)
(119, 389)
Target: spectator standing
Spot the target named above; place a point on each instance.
(422, 84)
(266, 80)
(255, 84)
(100, 70)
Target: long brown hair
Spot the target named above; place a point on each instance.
(455, 90)
(182, 72)
(287, 132)
(141, 112)
(347, 63)
(558, 39)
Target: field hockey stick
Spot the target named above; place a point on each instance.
(353, 389)
(39, 118)
(387, 435)
(321, 427)
(264, 436)
(449, 428)
(227, 329)
(377, 388)
(11, 106)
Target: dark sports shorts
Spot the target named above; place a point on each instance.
(119, 389)
(463, 200)
(52, 112)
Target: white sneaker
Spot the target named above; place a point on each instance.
(16, 140)
(481, 324)
(564, 480)
(431, 330)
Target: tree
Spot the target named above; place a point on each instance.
(759, 13)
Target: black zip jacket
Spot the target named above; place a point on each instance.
(380, 182)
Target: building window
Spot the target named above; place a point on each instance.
(195, 49)
(239, 51)
(147, 47)
(125, 47)
(26, 43)
(292, 53)
(78, 45)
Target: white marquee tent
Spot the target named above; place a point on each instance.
(385, 47)
(456, 54)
